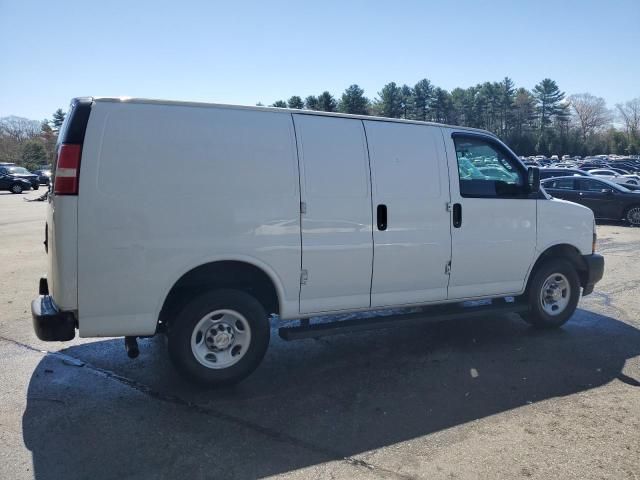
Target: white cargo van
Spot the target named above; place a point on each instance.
(198, 221)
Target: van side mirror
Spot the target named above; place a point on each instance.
(533, 179)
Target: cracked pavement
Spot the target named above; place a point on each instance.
(484, 398)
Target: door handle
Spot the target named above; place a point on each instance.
(457, 215)
(382, 217)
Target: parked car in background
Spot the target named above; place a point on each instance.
(13, 184)
(608, 200)
(620, 171)
(561, 172)
(497, 173)
(44, 176)
(615, 177)
(11, 173)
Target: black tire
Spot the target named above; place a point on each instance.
(537, 315)
(16, 188)
(36, 186)
(632, 215)
(182, 327)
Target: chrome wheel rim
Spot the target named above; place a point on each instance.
(633, 216)
(16, 189)
(555, 294)
(221, 339)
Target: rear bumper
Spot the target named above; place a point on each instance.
(49, 323)
(594, 272)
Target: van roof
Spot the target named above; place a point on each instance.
(154, 101)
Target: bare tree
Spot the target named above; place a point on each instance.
(19, 129)
(15, 133)
(630, 114)
(590, 113)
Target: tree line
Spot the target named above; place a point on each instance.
(28, 142)
(541, 121)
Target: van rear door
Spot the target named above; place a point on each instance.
(336, 218)
(412, 237)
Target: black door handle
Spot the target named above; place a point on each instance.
(382, 217)
(457, 215)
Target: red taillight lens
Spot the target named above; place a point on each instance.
(67, 170)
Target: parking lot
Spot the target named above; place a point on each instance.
(488, 398)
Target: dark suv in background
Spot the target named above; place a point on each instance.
(16, 179)
(44, 174)
(608, 200)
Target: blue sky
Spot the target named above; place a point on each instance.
(243, 52)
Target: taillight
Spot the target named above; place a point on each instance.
(67, 171)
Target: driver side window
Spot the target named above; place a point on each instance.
(590, 185)
(487, 171)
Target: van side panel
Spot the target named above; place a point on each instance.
(337, 244)
(410, 178)
(164, 189)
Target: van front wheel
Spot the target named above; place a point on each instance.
(554, 292)
(219, 337)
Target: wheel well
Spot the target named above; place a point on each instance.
(225, 274)
(627, 208)
(566, 252)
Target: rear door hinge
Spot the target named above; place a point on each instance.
(447, 268)
(303, 208)
(304, 276)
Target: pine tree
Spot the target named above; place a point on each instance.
(507, 94)
(390, 102)
(442, 106)
(462, 101)
(406, 101)
(279, 104)
(549, 100)
(58, 119)
(326, 102)
(422, 96)
(311, 103)
(353, 101)
(295, 102)
(33, 154)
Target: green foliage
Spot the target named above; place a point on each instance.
(58, 119)
(422, 97)
(441, 106)
(407, 101)
(353, 101)
(295, 102)
(311, 103)
(390, 102)
(327, 103)
(33, 154)
(279, 104)
(550, 104)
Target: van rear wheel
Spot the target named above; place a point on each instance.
(553, 295)
(219, 337)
